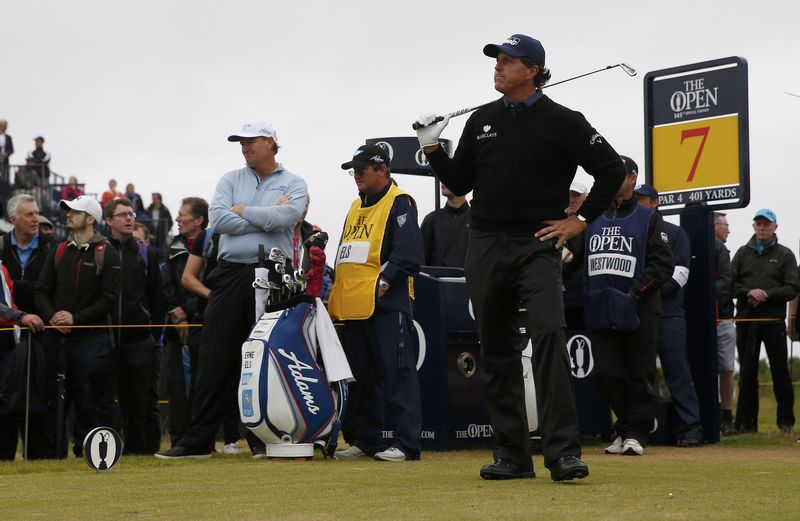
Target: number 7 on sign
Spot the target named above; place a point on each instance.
(695, 132)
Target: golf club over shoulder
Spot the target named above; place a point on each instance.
(630, 71)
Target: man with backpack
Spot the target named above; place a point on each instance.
(79, 291)
(135, 356)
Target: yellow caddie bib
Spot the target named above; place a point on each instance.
(358, 259)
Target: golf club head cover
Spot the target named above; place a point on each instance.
(315, 276)
(429, 129)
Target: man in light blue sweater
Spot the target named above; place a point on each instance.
(255, 205)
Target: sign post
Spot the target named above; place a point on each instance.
(697, 157)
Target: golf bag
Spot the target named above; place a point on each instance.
(293, 386)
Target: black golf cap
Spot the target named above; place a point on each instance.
(518, 45)
(630, 165)
(368, 155)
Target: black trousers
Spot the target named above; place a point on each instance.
(383, 360)
(229, 318)
(626, 375)
(89, 386)
(178, 392)
(749, 336)
(503, 270)
(12, 424)
(135, 362)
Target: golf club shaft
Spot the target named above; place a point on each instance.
(630, 71)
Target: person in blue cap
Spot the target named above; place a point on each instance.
(765, 278)
(518, 155)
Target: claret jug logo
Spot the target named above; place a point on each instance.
(695, 98)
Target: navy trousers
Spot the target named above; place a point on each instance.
(678, 375)
(383, 360)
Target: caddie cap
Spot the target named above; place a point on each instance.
(84, 203)
(368, 155)
(252, 129)
(647, 191)
(518, 45)
(767, 214)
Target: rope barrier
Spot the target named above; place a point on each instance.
(133, 326)
(108, 326)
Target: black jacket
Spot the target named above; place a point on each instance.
(722, 279)
(141, 300)
(75, 285)
(25, 280)
(774, 271)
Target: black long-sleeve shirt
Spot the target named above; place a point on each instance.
(520, 165)
(445, 235)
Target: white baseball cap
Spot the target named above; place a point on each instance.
(84, 203)
(254, 129)
(578, 188)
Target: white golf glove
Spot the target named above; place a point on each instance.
(428, 132)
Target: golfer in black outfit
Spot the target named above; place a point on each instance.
(519, 156)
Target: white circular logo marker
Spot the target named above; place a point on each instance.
(102, 448)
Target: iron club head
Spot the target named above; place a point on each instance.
(630, 71)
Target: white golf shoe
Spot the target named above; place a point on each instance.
(391, 454)
(616, 446)
(352, 452)
(631, 447)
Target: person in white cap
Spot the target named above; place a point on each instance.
(80, 285)
(255, 205)
(572, 252)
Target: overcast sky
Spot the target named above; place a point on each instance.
(147, 91)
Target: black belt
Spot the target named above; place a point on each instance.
(232, 265)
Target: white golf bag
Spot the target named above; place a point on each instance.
(293, 387)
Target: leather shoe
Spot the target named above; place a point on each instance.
(505, 469)
(568, 467)
(689, 442)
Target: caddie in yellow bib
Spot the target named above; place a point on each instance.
(378, 255)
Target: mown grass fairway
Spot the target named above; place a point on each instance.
(748, 477)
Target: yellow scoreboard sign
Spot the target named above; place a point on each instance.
(696, 134)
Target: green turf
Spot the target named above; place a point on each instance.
(749, 477)
(754, 476)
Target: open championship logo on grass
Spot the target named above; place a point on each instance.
(102, 448)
